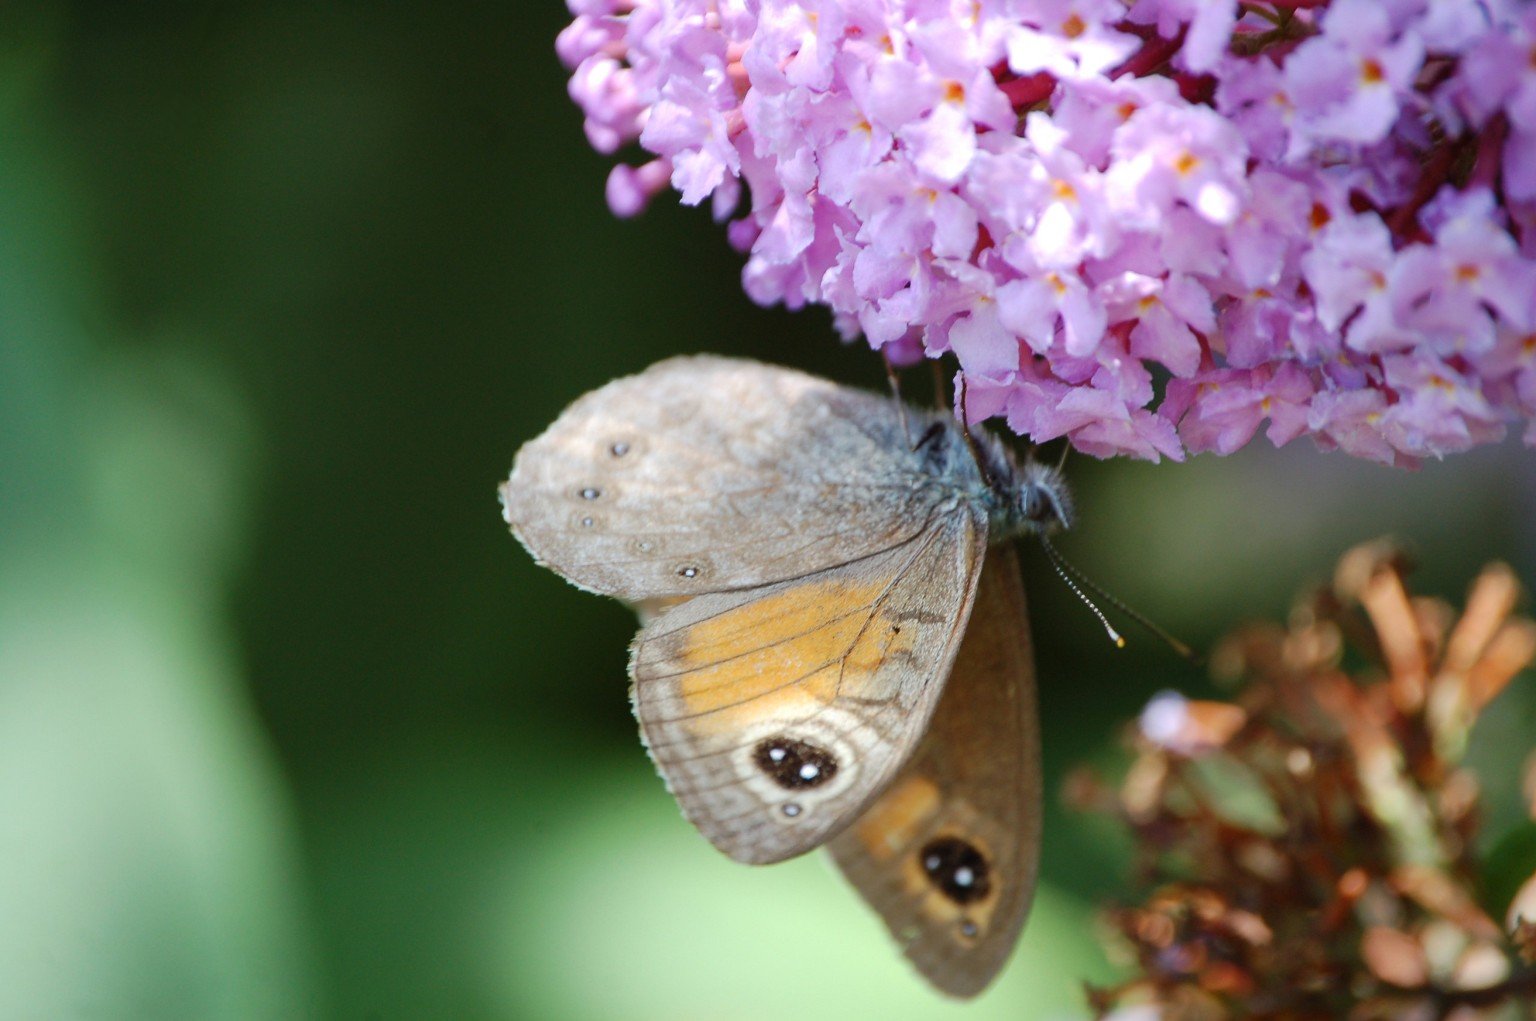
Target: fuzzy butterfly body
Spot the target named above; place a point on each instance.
(830, 655)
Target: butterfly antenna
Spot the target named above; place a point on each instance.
(1066, 576)
(1072, 576)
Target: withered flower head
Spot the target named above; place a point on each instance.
(1311, 848)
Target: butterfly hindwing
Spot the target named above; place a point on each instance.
(948, 854)
(776, 714)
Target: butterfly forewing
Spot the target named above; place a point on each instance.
(948, 854)
(702, 474)
(777, 713)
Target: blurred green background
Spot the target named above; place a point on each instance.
(289, 725)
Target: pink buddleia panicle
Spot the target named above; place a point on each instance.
(1154, 227)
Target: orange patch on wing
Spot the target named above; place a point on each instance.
(786, 654)
(894, 822)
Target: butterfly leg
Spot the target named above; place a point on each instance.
(901, 407)
(1066, 448)
(965, 428)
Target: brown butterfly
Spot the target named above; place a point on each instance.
(830, 653)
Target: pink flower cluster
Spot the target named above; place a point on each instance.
(1151, 226)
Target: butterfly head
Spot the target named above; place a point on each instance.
(1042, 500)
(1031, 499)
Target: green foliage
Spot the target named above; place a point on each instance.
(1509, 865)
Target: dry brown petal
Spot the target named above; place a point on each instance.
(1264, 861)
(1340, 910)
(1435, 618)
(1361, 563)
(1298, 762)
(1510, 652)
(1227, 978)
(1498, 650)
(1352, 884)
(1142, 790)
(1436, 892)
(1152, 929)
(1206, 905)
(1394, 957)
(1458, 796)
(1403, 645)
(1444, 942)
(1489, 604)
(1249, 928)
(1481, 966)
(1314, 647)
(1338, 698)
(1190, 727)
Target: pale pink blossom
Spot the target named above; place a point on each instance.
(1150, 226)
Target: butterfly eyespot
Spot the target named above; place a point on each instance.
(618, 448)
(688, 571)
(794, 765)
(591, 493)
(956, 869)
(643, 545)
(583, 520)
(969, 929)
(791, 809)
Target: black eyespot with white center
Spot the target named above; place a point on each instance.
(688, 571)
(794, 765)
(618, 448)
(591, 493)
(956, 869)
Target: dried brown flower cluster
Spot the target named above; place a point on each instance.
(1311, 846)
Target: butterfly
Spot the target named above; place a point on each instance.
(834, 649)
